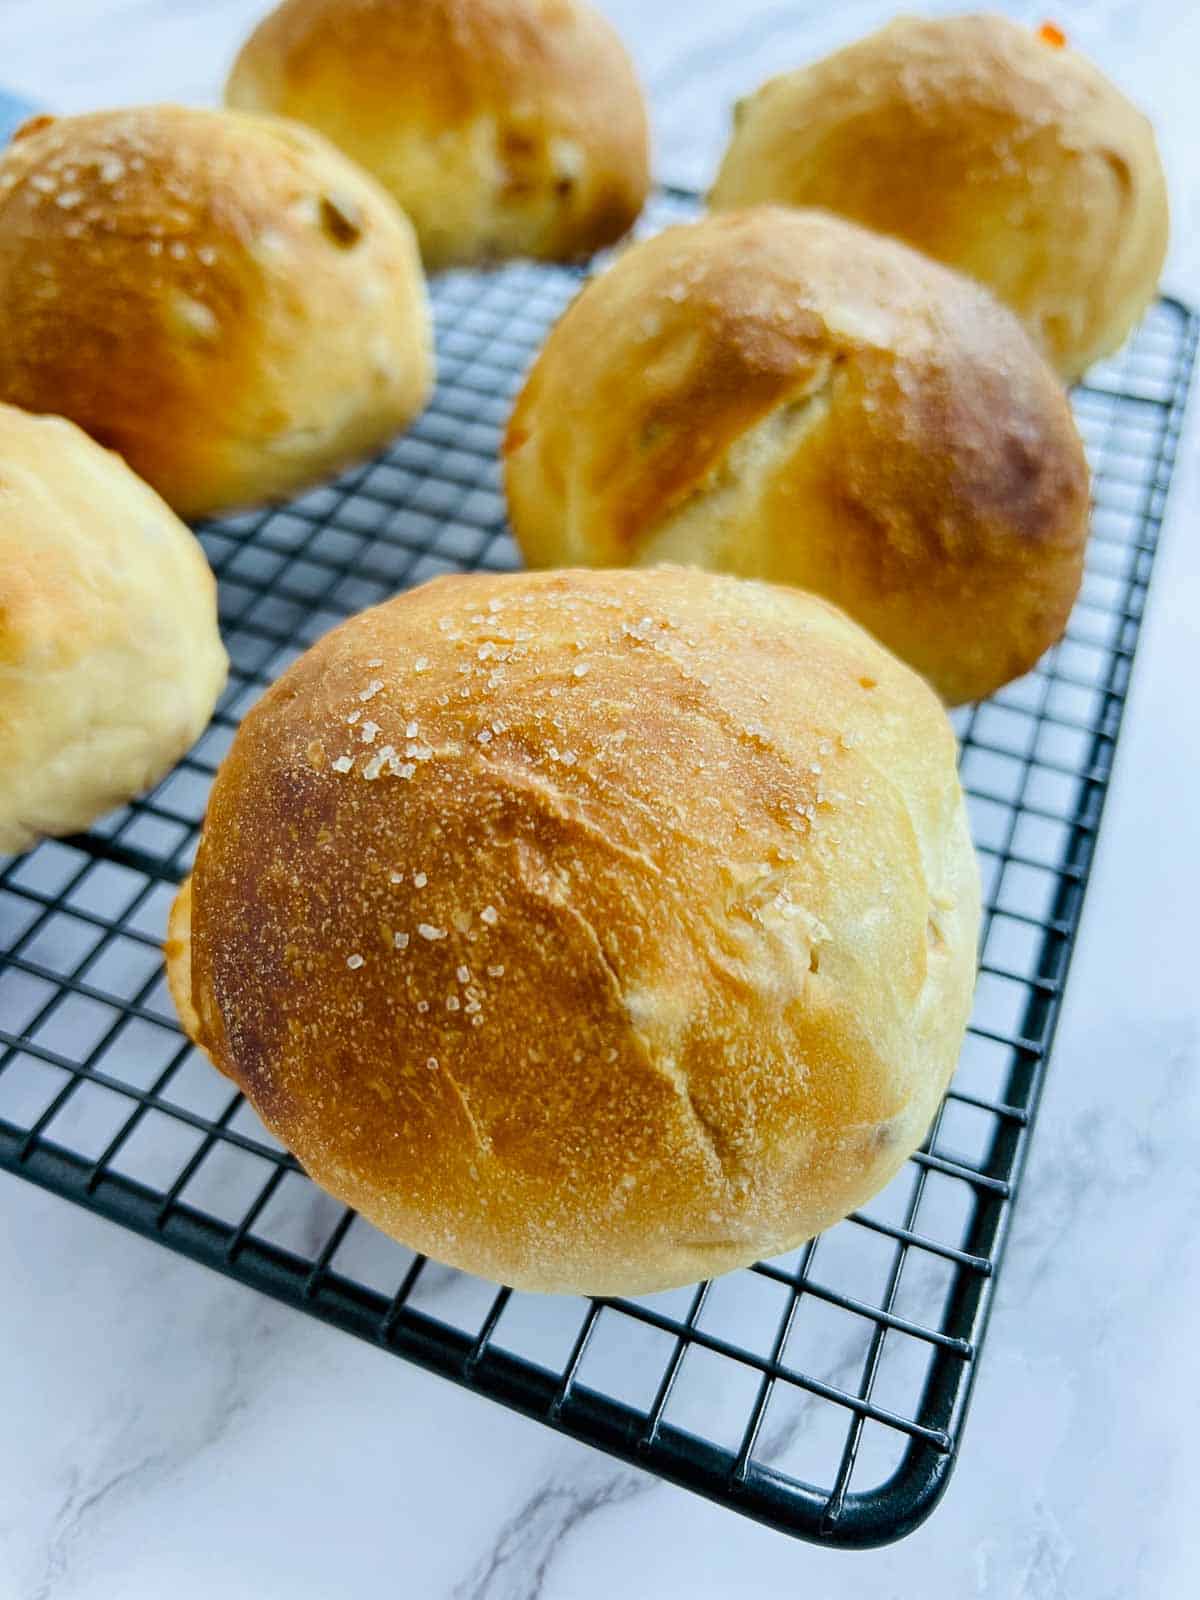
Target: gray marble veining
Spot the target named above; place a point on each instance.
(165, 1432)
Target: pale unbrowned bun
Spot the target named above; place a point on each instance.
(782, 395)
(503, 127)
(224, 299)
(986, 145)
(592, 931)
(110, 659)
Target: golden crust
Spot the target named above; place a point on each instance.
(783, 395)
(503, 127)
(979, 142)
(167, 278)
(110, 656)
(589, 931)
(177, 956)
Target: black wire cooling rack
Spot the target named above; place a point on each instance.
(824, 1392)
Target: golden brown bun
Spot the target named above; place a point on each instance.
(986, 146)
(503, 127)
(224, 299)
(680, 872)
(783, 395)
(110, 659)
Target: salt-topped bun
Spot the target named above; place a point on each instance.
(990, 146)
(591, 931)
(783, 395)
(110, 659)
(503, 127)
(224, 299)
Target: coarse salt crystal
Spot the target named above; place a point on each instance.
(419, 880)
(368, 731)
(463, 974)
(580, 671)
(343, 764)
(432, 1063)
(428, 931)
(484, 736)
(421, 664)
(495, 972)
(495, 605)
(395, 877)
(453, 1003)
(354, 962)
(353, 718)
(375, 661)
(412, 730)
(490, 915)
(371, 690)
(422, 1006)
(400, 940)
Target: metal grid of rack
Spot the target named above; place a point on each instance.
(823, 1393)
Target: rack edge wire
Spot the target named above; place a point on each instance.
(901, 1504)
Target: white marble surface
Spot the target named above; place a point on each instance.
(166, 1433)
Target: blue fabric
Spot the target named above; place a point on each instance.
(12, 114)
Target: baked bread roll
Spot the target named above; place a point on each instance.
(503, 127)
(783, 395)
(110, 659)
(589, 931)
(224, 299)
(988, 146)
